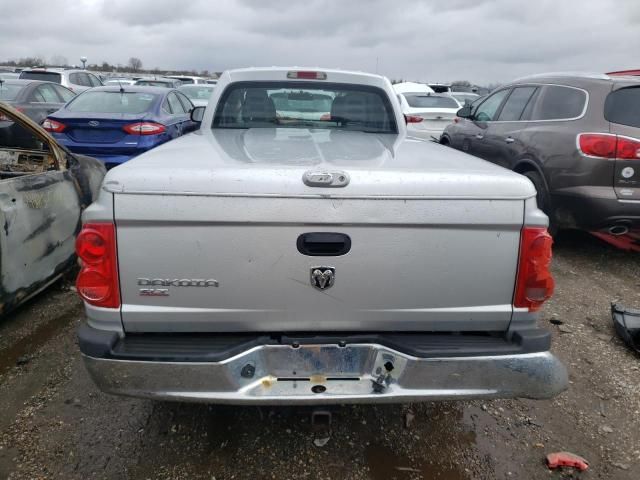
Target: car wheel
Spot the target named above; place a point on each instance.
(543, 198)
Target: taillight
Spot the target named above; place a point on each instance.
(534, 284)
(628, 148)
(307, 75)
(52, 126)
(144, 128)
(608, 145)
(412, 119)
(97, 281)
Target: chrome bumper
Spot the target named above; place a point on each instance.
(330, 374)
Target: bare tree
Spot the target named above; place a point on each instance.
(135, 64)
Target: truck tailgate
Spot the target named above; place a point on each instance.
(423, 264)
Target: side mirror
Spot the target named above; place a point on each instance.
(464, 112)
(197, 113)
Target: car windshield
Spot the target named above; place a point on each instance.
(112, 102)
(153, 83)
(304, 105)
(45, 76)
(9, 91)
(430, 101)
(197, 92)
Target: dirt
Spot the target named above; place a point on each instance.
(56, 424)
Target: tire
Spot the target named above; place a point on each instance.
(543, 198)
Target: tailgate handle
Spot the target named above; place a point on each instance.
(324, 244)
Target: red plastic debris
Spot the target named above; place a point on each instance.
(566, 459)
(629, 242)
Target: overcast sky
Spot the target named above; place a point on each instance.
(479, 40)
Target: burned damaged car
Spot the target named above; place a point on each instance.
(43, 190)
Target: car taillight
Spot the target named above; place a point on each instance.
(608, 145)
(52, 126)
(307, 75)
(97, 281)
(144, 128)
(534, 284)
(628, 148)
(412, 119)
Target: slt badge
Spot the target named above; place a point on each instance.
(323, 278)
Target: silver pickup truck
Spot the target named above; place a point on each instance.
(301, 248)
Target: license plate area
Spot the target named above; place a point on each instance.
(284, 371)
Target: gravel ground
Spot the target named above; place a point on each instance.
(55, 424)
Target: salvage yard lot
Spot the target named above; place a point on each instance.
(56, 424)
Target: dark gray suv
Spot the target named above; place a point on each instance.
(576, 137)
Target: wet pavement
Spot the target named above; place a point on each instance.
(56, 424)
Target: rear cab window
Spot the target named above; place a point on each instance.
(291, 104)
(623, 106)
(42, 75)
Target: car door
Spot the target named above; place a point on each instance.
(39, 210)
(502, 139)
(187, 124)
(178, 115)
(42, 101)
(476, 127)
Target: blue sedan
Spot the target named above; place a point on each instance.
(115, 124)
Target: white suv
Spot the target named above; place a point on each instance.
(76, 80)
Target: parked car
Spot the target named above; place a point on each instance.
(34, 98)
(465, 97)
(211, 81)
(198, 94)
(428, 113)
(76, 80)
(576, 137)
(188, 79)
(116, 124)
(299, 261)
(158, 82)
(9, 76)
(43, 190)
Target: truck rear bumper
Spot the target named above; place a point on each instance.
(327, 373)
